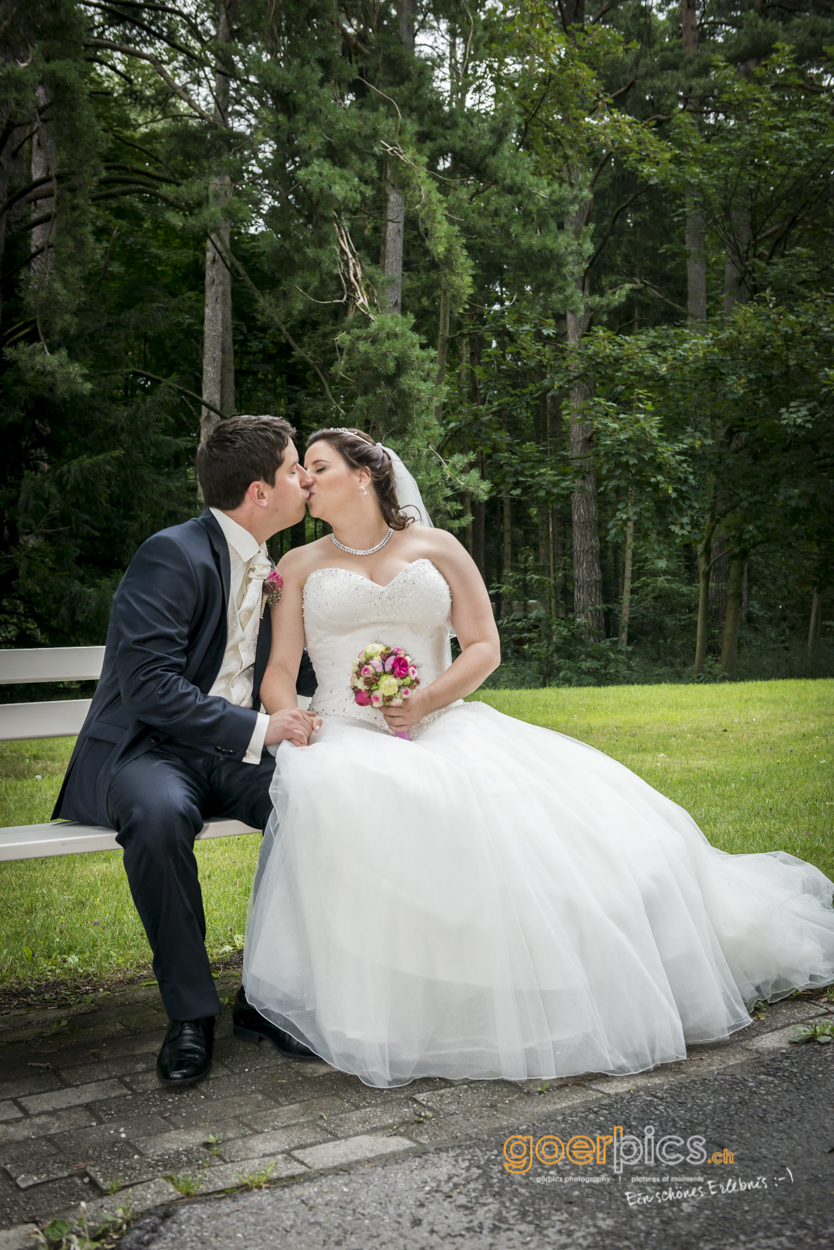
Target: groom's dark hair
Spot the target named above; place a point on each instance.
(239, 451)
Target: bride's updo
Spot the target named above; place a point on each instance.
(359, 451)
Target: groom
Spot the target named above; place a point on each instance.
(173, 736)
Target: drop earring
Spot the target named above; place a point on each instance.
(363, 490)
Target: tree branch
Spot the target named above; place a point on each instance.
(172, 10)
(639, 285)
(143, 373)
(231, 261)
(351, 40)
(179, 91)
(528, 120)
(609, 228)
(113, 193)
(601, 13)
(600, 167)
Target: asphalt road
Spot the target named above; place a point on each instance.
(775, 1115)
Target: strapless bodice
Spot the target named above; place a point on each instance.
(344, 612)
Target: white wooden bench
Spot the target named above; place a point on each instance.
(56, 720)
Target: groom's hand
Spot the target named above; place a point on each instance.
(292, 725)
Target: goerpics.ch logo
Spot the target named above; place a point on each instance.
(617, 1149)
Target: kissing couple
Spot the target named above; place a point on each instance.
(442, 890)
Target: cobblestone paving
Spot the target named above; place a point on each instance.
(83, 1117)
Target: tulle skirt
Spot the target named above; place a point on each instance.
(493, 899)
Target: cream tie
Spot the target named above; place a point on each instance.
(257, 569)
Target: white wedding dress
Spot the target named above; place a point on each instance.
(493, 899)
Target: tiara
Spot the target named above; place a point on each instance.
(343, 429)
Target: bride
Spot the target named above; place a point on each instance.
(489, 898)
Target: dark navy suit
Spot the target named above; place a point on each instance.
(157, 755)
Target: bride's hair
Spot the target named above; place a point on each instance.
(359, 451)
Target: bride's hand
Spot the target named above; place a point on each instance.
(401, 719)
(291, 725)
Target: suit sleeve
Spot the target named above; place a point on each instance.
(154, 607)
(306, 682)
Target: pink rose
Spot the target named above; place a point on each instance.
(376, 698)
(367, 671)
(412, 672)
(362, 698)
(406, 693)
(399, 666)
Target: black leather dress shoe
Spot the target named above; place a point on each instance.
(251, 1026)
(185, 1056)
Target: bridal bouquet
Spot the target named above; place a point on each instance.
(383, 677)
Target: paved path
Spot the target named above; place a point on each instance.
(775, 1115)
(82, 1113)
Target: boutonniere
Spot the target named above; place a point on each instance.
(273, 583)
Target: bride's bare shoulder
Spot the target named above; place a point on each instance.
(450, 556)
(300, 561)
(438, 542)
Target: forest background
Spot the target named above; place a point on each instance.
(575, 266)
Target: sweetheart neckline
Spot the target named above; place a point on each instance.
(379, 585)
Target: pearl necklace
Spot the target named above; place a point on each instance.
(354, 551)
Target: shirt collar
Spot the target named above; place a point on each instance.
(244, 543)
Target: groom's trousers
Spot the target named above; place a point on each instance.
(158, 804)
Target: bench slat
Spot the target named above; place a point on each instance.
(42, 720)
(51, 664)
(68, 838)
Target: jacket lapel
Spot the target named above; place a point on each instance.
(220, 552)
(220, 555)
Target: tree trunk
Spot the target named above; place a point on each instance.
(12, 138)
(442, 343)
(479, 536)
(719, 576)
(479, 507)
(704, 570)
(406, 10)
(572, 13)
(815, 623)
(696, 259)
(732, 616)
(624, 613)
(10, 168)
(556, 520)
(297, 535)
(587, 568)
(506, 549)
(703, 610)
(735, 285)
(44, 165)
(696, 264)
(218, 345)
(391, 261)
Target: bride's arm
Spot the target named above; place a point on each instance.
(278, 682)
(477, 633)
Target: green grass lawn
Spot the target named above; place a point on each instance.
(753, 762)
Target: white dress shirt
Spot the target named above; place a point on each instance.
(250, 564)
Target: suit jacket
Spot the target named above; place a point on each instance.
(165, 643)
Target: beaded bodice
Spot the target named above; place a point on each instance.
(344, 612)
